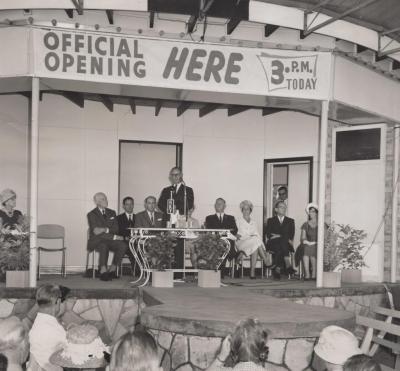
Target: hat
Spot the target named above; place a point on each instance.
(6, 195)
(336, 344)
(311, 205)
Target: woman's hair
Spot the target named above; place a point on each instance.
(361, 362)
(246, 203)
(248, 343)
(135, 351)
(312, 208)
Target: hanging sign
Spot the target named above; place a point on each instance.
(180, 65)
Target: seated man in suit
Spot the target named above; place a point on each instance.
(126, 220)
(279, 240)
(220, 220)
(149, 218)
(103, 236)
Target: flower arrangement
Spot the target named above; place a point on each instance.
(208, 249)
(14, 248)
(160, 251)
(343, 247)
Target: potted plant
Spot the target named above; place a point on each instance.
(14, 255)
(209, 248)
(333, 255)
(160, 255)
(351, 242)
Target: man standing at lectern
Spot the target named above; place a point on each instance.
(182, 195)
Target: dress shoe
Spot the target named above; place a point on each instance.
(252, 277)
(113, 274)
(290, 270)
(105, 276)
(276, 275)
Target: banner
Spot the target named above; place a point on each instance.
(181, 65)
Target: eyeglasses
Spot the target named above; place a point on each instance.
(282, 193)
(177, 174)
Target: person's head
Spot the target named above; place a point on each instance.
(49, 299)
(282, 193)
(150, 203)
(361, 362)
(135, 351)
(128, 203)
(246, 207)
(335, 345)
(312, 211)
(248, 343)
(100, 199)
(175, 175)
(220, 205)
(14, 342)
(280, 208)
(8, 198)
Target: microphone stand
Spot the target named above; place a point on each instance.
(185, 204)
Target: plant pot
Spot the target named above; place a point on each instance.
(209, 278)
(162, 279)
(351, 275)
(17, 279)
(331, 279)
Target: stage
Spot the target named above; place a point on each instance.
(189, 322)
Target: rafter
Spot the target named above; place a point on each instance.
(78, 4)
(232, 24)
(234, 110)
(110, 16)
(208, 108)
(132, 103)
(70, 13)
(158, 107)
(269, 110)
(395, 65)
(76, 98)
(192, 23)
(182, 108)
(106, 100)
(269, 29)
(151, 19)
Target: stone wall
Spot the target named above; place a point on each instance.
(193, 353)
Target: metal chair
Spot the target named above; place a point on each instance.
(248, 258)
(52, 232)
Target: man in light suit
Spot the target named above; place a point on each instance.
(103, 236)
(149, 218)
(279, 240)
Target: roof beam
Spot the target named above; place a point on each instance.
(158, 107)
(269, 110)
(191, 23)
(78, 4)
(132, 103)
(151, 19)
(234, 110)
(76, 98)
(208, 108)
(106, 100)
(110, 16)
(269, 29)
(182, 108)
(307, 31)
(232, 24)
(360, 48)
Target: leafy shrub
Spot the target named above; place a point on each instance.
(160, 251)
(209, 248)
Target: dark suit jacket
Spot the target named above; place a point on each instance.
(142, 220)
(124, 224)
(228, 222)
(286, 230)
(178, 197)
(96, 219)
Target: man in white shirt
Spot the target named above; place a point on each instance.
(47, 335)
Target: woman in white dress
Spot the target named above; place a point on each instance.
(249, 241)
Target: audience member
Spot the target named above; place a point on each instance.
(126, 220)
(47, 335)
(282, 195)
(279, 234)
(135, 351)
(361, 362)
(308, 248)
(3, 362)
(103, 232)
(246, 349)
(9, 217)
(149, 217)
(249, 241)
(220, 220)
(14, 343)
(335, 345)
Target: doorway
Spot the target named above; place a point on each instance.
(295, 176)
(144, 169)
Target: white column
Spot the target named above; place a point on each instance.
(34, 180)
(323, 136)
(393, 259)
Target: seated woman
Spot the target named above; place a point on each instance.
(249, 241)
(195, 224)
(245, 349)
(309, 233)
(135, 351)
(9, 217)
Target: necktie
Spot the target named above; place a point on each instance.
(152, 219)
(175, 188)
(220, 218)
(129, 217)
(104, 214)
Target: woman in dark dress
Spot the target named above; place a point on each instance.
(9, 217)
(309, 233)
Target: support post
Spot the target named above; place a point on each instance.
(393, 259)
(34, 180)
(323, 134)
